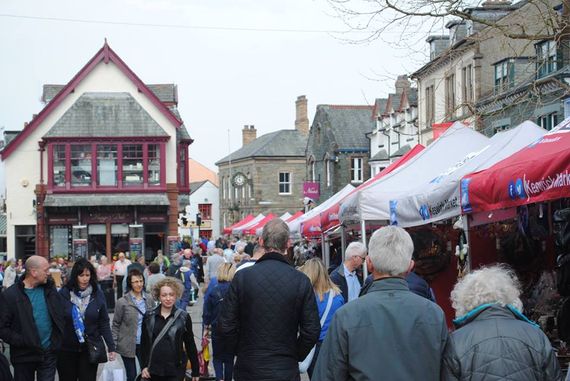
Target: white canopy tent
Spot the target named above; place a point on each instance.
(250, 224)
(438, 198)
(373, 202)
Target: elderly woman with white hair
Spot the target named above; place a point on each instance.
(345, 276)
(494, 340)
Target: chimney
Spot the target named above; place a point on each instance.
(402, 84)
(249, 134)
(301, 119)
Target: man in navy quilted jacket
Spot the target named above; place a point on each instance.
(270, 313)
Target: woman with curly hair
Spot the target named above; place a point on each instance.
(494, 340)
(167, 340)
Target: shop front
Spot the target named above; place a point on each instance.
(80, 231)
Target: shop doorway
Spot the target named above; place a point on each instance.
(153, 240)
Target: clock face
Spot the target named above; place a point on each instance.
(239, 180)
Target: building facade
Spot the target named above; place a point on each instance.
(397, 129)
(204, 200)
(267, 173)
(101, 169)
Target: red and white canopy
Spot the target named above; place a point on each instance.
(259, 225)
(245, 220)
(536, 173)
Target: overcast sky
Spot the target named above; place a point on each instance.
(226, 76)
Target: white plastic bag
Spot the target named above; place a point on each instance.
(113, 371)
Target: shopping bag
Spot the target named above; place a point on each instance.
(113, 371)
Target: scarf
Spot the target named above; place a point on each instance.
(80, 301)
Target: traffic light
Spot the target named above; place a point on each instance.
(184, 221)
(199, 219)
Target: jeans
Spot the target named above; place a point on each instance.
(131, 364)
(224, 367)
(40, 371)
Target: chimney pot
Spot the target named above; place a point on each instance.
(249, 134)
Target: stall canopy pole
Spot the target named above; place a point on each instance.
(326, 250)
(363, 231)
(342, 242)
(466, 230)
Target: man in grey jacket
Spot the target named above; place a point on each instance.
(388, 333)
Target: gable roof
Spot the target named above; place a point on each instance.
(349, 124)
(105, 115)
(290, 143)
(196, 185)
(199, 172)
(104, 54)
(381, 155)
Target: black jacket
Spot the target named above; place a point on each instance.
(270, 309)
(495, 343)
(96, 321)
(17, 326)
(169, 357)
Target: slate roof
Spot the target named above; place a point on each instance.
(349, 124)
(181, 133)
(413, 97)
(196, 185)
(402, 151)
(395, 101)
(290, 143)
(166, 93)
(380, 156)
(380, 106)
(105, 115)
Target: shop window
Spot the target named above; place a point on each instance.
(206, 211)
(284, 183)
(25, 241)
(59, 165)
(107, 165)
(132, 164)
(81, 174)
(60, 241)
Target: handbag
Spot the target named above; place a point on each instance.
(96, 349)
(304, 365)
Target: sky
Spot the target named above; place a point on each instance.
(236, 62)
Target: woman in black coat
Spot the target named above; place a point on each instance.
(86, 317)
(165, 354)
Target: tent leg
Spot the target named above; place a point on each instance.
(466, 230)
(342, 242)
(326, 250)
(363, 233)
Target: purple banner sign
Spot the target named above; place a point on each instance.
(311, 189)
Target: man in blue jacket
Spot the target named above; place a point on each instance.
(388, 333)
(345, 276)
(31, 321)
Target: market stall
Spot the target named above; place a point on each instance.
(245, 220)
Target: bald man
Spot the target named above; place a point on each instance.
(31, 321)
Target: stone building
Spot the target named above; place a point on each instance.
(102, 168)
(267, 173)
(481, 76)
(338, 149)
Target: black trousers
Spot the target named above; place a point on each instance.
(75, 366)
(119, 286)
(43, 370)
(131, 364)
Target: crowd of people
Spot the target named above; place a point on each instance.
(267, 318)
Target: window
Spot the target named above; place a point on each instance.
(90, 166)
(206, 211)
(81, 165)
(450, 95)
(504, 75)
(430, 106)
(548, 122)
(328, 172)
(107, 165)
(183, 166)
(223, 182)
(59, 165)
(356, 170)
(467, 86)
(153, 171)
(284, 183)
(546, 58)
(313, 176)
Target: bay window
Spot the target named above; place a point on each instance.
(106, 165)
